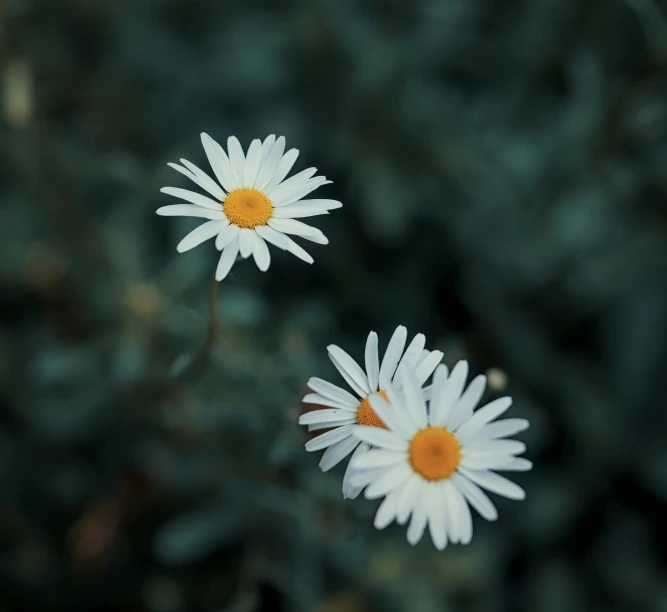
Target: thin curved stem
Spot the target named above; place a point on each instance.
(196, 366)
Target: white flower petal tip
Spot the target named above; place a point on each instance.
(431, 464)
(249, 190)
(364, 414)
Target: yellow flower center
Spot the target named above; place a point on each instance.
(434, 453)
(366, 415)
(247, 207)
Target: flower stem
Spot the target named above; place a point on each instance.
(196, 366)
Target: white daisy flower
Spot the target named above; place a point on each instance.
(251, 203)
(346, 410)
(432, 463)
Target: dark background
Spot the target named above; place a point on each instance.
(503, 169)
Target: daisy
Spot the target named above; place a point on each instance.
(432, 463)
(345, 410)
(251, 204)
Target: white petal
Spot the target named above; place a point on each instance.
(324, 204)
(267, 145)
(376, 459)
(225, 237)
(350, 491)
(515, 464)
(300, 177)
(372, 362)
(337, 452)
(414, 399)
(451, 525)
(200, 178)
(482, 416)
(409, 359)
(427, 391)
(439, 381)
(423, 355)
(493, 447)
(500, 429)
(408, 426)
(387, 511)
(467, 402)
(436, 519)
(392, 355)
(390, 416)
(408, 493)
(329, 438)
(282, 196)
(381, 438)
(318, 238)
(227, 259)
(277, 193)
(300, 252)
(442, 404)
(286, 212)
(251, 167)
(284, 166)
(192, 196)
(320, 426)
(269, 163)
(486, 461)
(292, 226)
(314, 417)
(205, 181)
(349, 370)
(428, 366)
(245, 242)
(459, 513)
(184, 172)
(275, 238)
(316, 398)
(391, 478)
(333, 392)
(454, 389)
(204, 232)
(303, 208)
(260, 252)
(219, 162)
(495, 483)
(189, 210)
(236, 159)
(362, 478)
(418, 522)
(475, 497)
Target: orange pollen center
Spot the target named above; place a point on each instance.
(434, 453)
(366, 415)
(247, 207)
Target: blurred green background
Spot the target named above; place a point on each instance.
(503, 169)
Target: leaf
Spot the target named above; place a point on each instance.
(180, 363)
(192, 537)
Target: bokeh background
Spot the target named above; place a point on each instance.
(503, 169)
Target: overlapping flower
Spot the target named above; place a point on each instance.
(345, 410)
(428, 452)
(435, 457)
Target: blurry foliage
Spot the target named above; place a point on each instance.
(503, 168)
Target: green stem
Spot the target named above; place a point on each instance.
(196, 366)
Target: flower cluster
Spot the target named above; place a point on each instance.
(427, 450)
